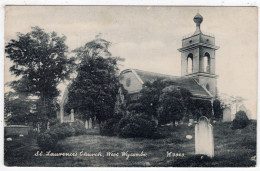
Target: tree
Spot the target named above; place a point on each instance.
(174, 104)
(201, 108)
(218, 113)
(18, 107)
(93, 92)
(40, 60)
(150, 95)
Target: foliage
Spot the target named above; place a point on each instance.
(228, 100)
(79, 128)
(218, 111)
(137, 125)
(53, 121)
(18, 108)
(63, 130)
(49, 138)
(40, 60)
(109, 128)
(174, 103)
(241, 120)
(149, 99)
(93, 92)
(47, 141)
(202, 108)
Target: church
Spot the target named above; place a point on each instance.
(197, 72)
(197, 68)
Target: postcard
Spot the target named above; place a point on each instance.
(130, 86)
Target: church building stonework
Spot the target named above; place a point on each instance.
(198, 57)
(197, 68)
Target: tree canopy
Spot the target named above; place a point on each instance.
(93, 92)
(174, 104)
(40, 62)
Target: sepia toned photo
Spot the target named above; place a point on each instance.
(130, 86)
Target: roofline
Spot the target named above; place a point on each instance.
(137, 76)
(196, 45)
(204, 88)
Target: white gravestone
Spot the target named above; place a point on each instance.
(86, 124)
(204, 142)
(48, 125)
(72, 115)
(227, 115)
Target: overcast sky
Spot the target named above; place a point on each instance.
(148, 37)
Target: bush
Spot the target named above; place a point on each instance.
(79, 127)
(53, 121)
(62, 130)
(109, 128)
(241, 120)
(47, 140)
(136, 126)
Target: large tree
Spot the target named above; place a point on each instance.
(93, 92)
(175, 102)
(148, 103)
(41, 63)
(18, 108)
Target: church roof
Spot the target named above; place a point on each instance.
(186, 82)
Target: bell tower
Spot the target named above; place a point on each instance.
(198, 57)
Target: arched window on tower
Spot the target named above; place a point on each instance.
(206, 62)
(190, 63)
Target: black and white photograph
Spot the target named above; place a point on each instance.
(130, 86)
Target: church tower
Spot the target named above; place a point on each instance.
(198, 57)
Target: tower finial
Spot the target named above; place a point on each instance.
(198, 20)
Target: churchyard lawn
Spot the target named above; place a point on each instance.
(233, 148)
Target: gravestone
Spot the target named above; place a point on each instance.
(86, 124)
(72, 115)
(204, 142)
(227, 115)
(48, 125)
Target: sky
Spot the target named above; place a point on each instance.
(148, 37)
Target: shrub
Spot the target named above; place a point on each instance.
(109, 128)
(79, 128)
(53, 121)
(62, 130)
(47, 141)
(241, 120)
(136, 126)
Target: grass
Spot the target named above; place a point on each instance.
(233, 148)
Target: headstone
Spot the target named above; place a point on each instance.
(9, 139)
(204, 142)
(72, 115)
(86, 124)
(189, 137)
(48, 125)
(90, 123)
(227, 115)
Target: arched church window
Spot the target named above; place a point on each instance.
(206, 63)
(190, 63)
